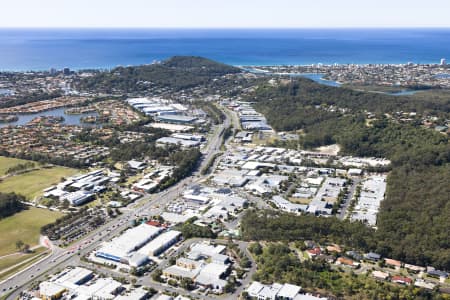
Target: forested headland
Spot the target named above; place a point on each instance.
(177, 73)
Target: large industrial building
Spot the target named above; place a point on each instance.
(82, 284)
(176, 119)
(122, 248)
(167, 140)
(135, 246)
(161, 243)
(69, 279)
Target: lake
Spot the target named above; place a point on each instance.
(58, 112)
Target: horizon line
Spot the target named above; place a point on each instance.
(224, 28)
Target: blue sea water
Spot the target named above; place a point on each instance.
(41, 49)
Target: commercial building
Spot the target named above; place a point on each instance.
(137, 294)
(152, 110)
(204, 265)
(51, 290)
(78, 197)
(202, 249)
(212, 275)
(175, 218)
(184, 268)
(101, 289)
(121, 248)
(276, 291)
(67, 280)
(176, 119)
(74, 276)
(177, 141)
(81, 284)
(264, 292)
(161, 243)
(165, 297)
(372, 193)
(189, 137)
(171, 127)
(79, 189)
(288, 291)
(145, 185)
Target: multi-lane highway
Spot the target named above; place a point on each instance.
(148, 205)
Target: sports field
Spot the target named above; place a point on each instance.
(24, 226)
(32, 184)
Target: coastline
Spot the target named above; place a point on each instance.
(42, 49)
(247, 67)
(242, 66)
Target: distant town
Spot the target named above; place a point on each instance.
(410, 75)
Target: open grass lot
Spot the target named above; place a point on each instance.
(24, 226)
(9, 261)
(32, 183)
(300, 200)
(28, 261)
(7, 162)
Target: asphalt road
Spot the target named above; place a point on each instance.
(148, 205)
(343, 214)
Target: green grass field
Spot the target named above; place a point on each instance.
(12, 260)
(24, 226)
(32, 184)
(25, 263)
(7, 162)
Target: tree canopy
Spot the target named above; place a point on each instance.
(177, 73)
(10, 203)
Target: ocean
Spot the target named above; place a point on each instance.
(42, 49)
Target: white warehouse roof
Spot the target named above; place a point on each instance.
(131, 240)
(160, 242)
(288, 291)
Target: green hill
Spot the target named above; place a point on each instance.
(176, 73)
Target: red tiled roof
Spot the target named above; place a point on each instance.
(401, 279)
(154, 223)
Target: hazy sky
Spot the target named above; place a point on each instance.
(224, 13)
